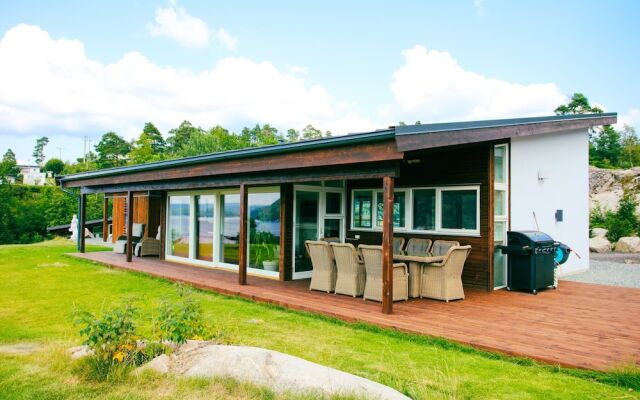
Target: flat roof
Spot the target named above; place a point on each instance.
(334, 141)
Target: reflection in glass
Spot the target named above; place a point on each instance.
(179, 217)
(499, 203)
(230, 228)
(499, 161)
(204, 227)
(332, 228)
(459, 209)
(362, 204)
(264, 231)
(333, 203)
(398, 208)
(424, 209)
(306, 220)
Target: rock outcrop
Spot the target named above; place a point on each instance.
(599, 245)
(629, 244)
(606, 186)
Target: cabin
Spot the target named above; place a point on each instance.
(252, 210)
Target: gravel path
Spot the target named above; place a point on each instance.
(616, 269)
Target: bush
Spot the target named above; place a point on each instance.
(623, 222)
(112, 338)
(177, 322)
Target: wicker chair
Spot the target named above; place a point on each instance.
(443, 281)
(372, 256)
(148, 246)
(417, 247)
(137, 232)
(440, 247)
(323, 276)
(331, 239)
(398, 244)
(350, 268)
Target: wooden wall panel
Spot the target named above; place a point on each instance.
(141, 212)
(118, 218)
(155, 208)
(465, 165)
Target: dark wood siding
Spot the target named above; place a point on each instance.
(465, 165)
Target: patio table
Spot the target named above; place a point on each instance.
(415, 269)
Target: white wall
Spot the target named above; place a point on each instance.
(565, 158)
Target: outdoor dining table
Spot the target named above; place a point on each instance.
(415, 269)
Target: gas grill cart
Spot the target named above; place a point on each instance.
(533, 258)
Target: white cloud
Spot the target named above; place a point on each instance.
(174, 22)
(50, 85)
(225, 39)
(479, 6)
(431, 86)
(631, 118)
(297, 69)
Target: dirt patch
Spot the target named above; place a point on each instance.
(17, 349)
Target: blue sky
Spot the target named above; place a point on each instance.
(76, 68)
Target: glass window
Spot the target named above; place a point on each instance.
(264, 231)
(337, 184)
(333, 203)
(499, 203)
(459, 209)
(362, 205)
(306, 228)
(499, 164)
(179, 219)
(230, 228)
(204, 227)
(398, 209)
(424, 209)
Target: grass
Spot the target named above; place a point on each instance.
(39, 287)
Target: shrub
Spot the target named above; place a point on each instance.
(113, 339)
(623, 222)
(182, 319)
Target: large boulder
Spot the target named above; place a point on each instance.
(599, 232)
(628, 244)
(599, 244)
(278, 371)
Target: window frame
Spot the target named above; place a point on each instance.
(408, 226)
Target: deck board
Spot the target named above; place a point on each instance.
(579, 325)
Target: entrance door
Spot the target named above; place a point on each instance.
(318, 213)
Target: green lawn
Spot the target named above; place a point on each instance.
(39, 287)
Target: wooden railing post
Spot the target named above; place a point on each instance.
(387, 245)
(129, 226)
(163, 225)
(242, 264)
(105, 218)
(82, 219)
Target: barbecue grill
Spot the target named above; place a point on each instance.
(531, 260)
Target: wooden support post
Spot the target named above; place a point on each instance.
(82, 219)
(387, 245)
(129, 226)
(105, 218)
(242, 267)
(283, 231)
(163, 224)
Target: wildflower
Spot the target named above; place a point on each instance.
(118, 356)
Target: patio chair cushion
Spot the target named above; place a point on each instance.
(440, 247)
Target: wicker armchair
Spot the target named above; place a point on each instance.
(417, 247)
(443, 281)
(323, 276)
(372, 256)
(440, 247)
(398, 244)
(148, 246)
(350, 269)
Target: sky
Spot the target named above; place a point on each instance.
(71, 70)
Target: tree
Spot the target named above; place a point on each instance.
(112, 150)
(579, 104)
(55, 166)
(630, 154)
(38, 150)
(293, 135)
(309, 132)
(152, 134)
(9, 167)
(606, 148)
(180, 136)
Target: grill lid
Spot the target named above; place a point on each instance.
(533, 236)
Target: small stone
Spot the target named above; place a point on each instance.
(160, 364)
(628, 244)
(79, 352)
(599, 232)
(255, 321)
(599, 245)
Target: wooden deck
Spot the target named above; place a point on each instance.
(579, 325)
